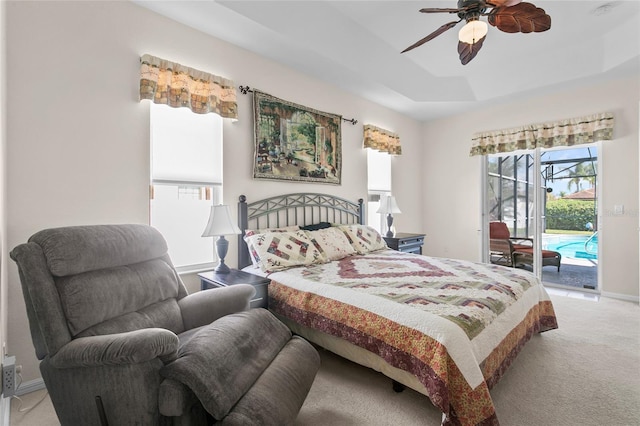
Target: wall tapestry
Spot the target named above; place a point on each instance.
(295, 143)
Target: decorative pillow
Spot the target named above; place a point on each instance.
(363, 238)
(250, 232)
(315, 227)
(265, 230)
(333, 242)
(275, 251)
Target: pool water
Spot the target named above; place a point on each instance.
(572, 246)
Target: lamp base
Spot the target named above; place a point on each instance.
(389, 224)
(222, 268)
(222, 245)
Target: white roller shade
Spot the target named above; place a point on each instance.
(379, 170)
(186, 146)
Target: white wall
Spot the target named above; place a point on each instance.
(452, 178)
(78, 139)
(3, 224)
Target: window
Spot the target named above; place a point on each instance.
(379, 184)
(186, 179)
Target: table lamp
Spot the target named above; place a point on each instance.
(388, 205)
(219, 225)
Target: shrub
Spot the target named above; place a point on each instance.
(570, 214)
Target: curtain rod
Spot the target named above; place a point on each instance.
(246, 89)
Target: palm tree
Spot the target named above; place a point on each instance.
(590, 174)
(581, 172)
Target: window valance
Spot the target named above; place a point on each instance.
(169, 83)
(381, 140)
(569, 132)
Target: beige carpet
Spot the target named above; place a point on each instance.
(586, 373)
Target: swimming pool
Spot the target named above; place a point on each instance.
(572, 246)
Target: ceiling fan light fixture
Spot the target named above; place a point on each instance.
(473, 31)
(509, 16)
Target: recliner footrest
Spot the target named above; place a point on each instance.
(223, 360)
(289, 376)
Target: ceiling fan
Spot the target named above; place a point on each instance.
(510, 16)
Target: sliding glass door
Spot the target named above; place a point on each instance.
(509, 192)
(512, 203)
(545, 201)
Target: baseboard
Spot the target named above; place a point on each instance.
(30, 386)
(619, 296)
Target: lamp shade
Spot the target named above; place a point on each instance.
(388, 205)
(220, 222)
(473, 31)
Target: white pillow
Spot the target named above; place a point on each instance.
(250, 232)
(275, 251)
(363, 238)
(333, 242)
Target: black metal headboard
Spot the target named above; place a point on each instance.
(293, 209)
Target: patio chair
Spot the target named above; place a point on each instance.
(513, 251)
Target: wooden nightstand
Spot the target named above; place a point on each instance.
(405, 242)
(210, 279)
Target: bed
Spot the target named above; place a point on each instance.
(446, 328)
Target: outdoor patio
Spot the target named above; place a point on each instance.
(578, 273)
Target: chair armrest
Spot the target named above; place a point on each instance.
(204, 307)
(500, 245)
(118, 349)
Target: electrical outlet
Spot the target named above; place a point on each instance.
(9, 376)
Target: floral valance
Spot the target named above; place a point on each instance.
(381, 140)
(569, 132)
(176, 85)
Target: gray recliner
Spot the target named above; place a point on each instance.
(122, 343)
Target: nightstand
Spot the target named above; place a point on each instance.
(405, 242)
(210, 279)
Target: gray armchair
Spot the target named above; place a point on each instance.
(121, 342)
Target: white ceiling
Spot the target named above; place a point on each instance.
(356, 45)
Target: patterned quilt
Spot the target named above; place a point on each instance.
(455, 325)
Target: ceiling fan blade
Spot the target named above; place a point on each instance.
(521, 18)
(433, 35)
(469, 51)
(503, 3)
(440, 10)
(473, 5)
